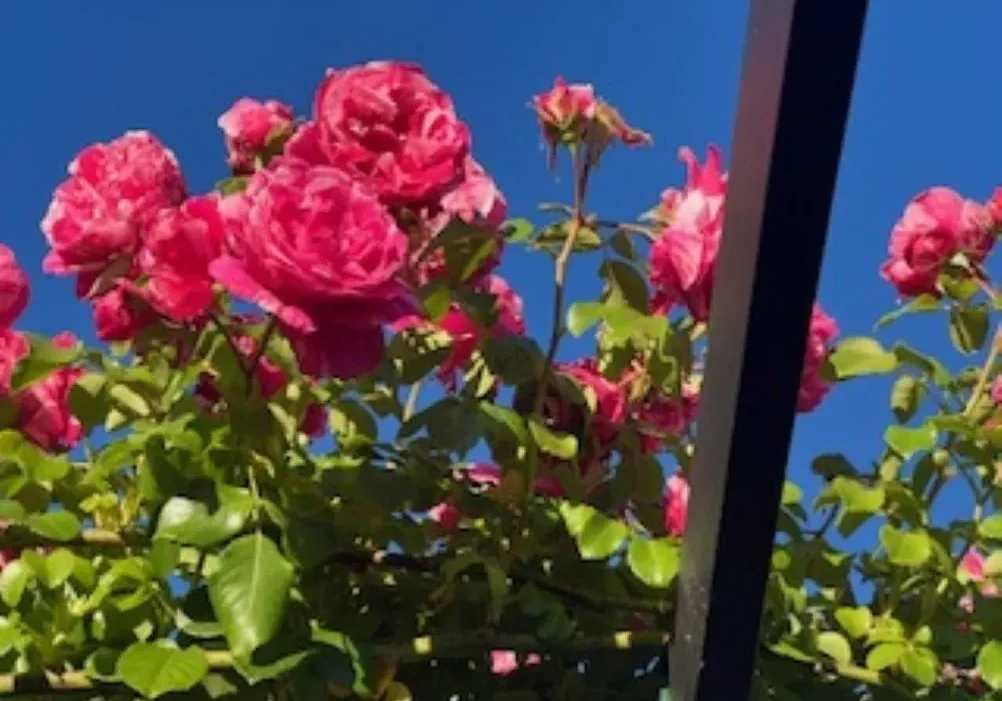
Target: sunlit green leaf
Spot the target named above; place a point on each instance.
(854, 621)
(990, 663)
(858, 356)
(155, 669)
(907, 441)
(905, 548)
(835, 646)
(655, 562)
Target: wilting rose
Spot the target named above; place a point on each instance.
(465, 334)
(936, 225)
(813, 385)
(98, 215)
(564, 113)
(676, 504)
(14, 288)
(177, 251)
(684, 257)
(43, 410)
(387, 124)
(248, 125)
(13, 347)
(317, 250)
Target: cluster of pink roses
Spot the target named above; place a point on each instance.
(42, 408)
(323, 237)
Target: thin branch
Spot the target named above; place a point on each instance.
(986, 369)
(414, 650)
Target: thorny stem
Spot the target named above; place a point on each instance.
(412, 399)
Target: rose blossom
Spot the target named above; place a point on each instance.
(98, 214)
(318, 251)
(44, 415)
(120, 314)
(564, 112)
(387, 124)
(936, 225)
(13, 347)
(179, 247)
(973, 565)
(662, 416)
(466, 335)
(684, 257)
(489, 475)
(676, 504)
(813, 386)
(446, 515)
(476, 199)
(248, 125)
(14, 288)
(505, 662)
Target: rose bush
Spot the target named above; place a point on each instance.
(375, 483)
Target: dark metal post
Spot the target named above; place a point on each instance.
(799, 66)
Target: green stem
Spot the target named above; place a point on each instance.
(986, 369)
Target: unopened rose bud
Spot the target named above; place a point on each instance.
(564, 113)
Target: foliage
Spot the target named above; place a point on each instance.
(281, 505)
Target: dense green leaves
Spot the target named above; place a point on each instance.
(905, 548)
(189, 523)
(250, 591)
(597, 536)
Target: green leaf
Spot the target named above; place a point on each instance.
(921, 664)
(622, 243)
(905, 548)
(128, 401)
(654, 562)
(858, 356)
(61, 526)
(561, 445)
(513, 358)
(835, 646)
(922, 303)
(11, 511)
(858, 498)
(907, 441)
(188, 522)
(884, 655)
(991, 527)
(990, 663)
(43, 359)
(597, 536)
(969, 327)
(53, 569)
(155, 669)
(627, 285)
(518, 230)
(792, 494)
(929, 366)
(249, 592)
(102, 664)
(854, 621)
(906, 395)
(87, 400)
(232, 185)
(14, 578)
(581, 316)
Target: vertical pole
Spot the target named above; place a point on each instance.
(799, 67)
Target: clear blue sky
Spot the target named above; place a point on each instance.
(925, 112)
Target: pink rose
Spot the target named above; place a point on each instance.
(120, 314)
(44, 415)
(13, 347)
(609, 397)
(314, 248)
(271, 380)
(466, 335)
(973, 565)
(248, 125)
(14, 288)
(446, 515)
(660, 416)
(813, 386)
(997, 390)
(505, 662)
(489, 475)
(99, 213)
(563, 106)
(476, 199)
(387, 124)
(177, 251)
(684, 257)
(936, 225)
(676, 504)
